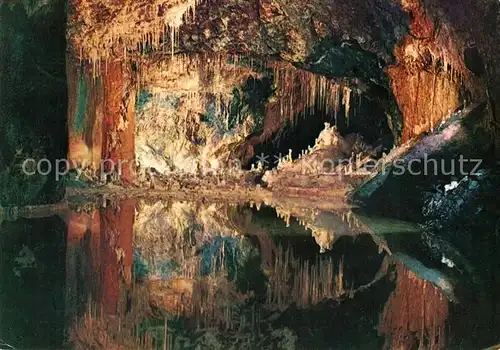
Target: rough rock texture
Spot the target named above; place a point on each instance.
(481, 49)
(98, 34)
(416, 60)
(429, 72)
(101, 119)
(186, 120)
(32, 100)
(424, 82)
(284, 28)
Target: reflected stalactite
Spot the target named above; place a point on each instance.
(83, 248)
(95, 329)
(193, 264)
(198, 242)
(415, 314)
(207, 301)
(293, 280)
(117, 253)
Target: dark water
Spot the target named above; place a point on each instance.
(176, 275)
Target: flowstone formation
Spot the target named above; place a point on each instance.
(187, 87)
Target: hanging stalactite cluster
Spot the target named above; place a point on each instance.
(303, 93)
(110, 30)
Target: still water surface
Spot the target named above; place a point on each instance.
(174, 275)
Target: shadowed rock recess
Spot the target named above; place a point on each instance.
(250, 174)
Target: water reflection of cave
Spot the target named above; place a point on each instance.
(352, 261)
(366, 117)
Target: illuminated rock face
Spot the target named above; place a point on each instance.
(101, 119)
(188, 118)
(429, 72)
(192, 62)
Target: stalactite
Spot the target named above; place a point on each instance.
(97, 45)
(346, 100)
(300, 93)
(308, 283)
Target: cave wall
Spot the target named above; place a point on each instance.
(400, 54)
(32, 100)
(411, 57)
(424, 98)
(192, 112)
(430, 71)
(101, 118)
(98, 33)
(483, 48)
(99, 257)
(189, 113)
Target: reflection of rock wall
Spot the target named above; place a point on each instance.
(206, 300)
(415, 314)
(175, 231)
(99, 267)
(100, 256)
(101, 118)
(184, 234)
(296, 281)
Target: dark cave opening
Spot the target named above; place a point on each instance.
(366, 118)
